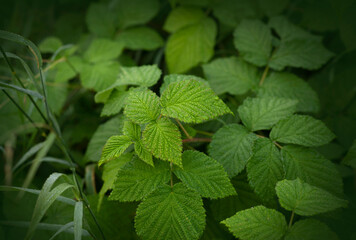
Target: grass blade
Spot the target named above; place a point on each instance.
(37, 161)
(27, 155)
(44, 226)
(45, 200)
(78, 220)
(36, 192)
(62, 229)
(20, 89)
(19, 39)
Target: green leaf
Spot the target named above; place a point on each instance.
(142, 106)
(257, 223)
(181, 17)
(140, 38)
(272, 7)
(136, 180)
(300, 53)
(204, 175)
(246, 198)
(171, 213)
(288, 31)
(134, 12)
(101, 135)
(163, 139)
(263, 113)
(132, 130)
(232, 146)
(302, 130)
(68, 69)
(305, 199)
(253, 39)
(190, 46)
(110, 172)
(350, 158)
(143, 153)
(168, 79)
(114, 147)
(50, 44)
(45, 199)
(114, 103)
(231, 12)
(191, 101)
(78, 220)
(287, 85)
(102, 49)
(231, 75)
(310, 229)
(297, 48)
(311, 167)
(100, 20)
(144, 76)
(99, 76)
(265, 168)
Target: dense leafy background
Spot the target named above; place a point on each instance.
(285, 68)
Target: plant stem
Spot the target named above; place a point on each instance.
(204, 133)
(264, 75)
(197, 140)
(291, 220)
(185, 131)
(278, 145)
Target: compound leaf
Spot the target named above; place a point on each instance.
(257, 223)
(142, 106)
(310, 229)
(265, 168)
(204, 175)
(171, 213)
(232, 146)
(287, 85)
(137, 180)
(302, 130)
(191, 101)
(163, 139)
(191, 45)
(253, 39)
(231, 75)
(311, 167)
(305, 199)
(263, 113)
(114, 147)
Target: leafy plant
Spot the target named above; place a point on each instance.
(179, 120)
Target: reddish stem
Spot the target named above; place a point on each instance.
(197, 140)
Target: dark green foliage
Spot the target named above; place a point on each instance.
(179, 119)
